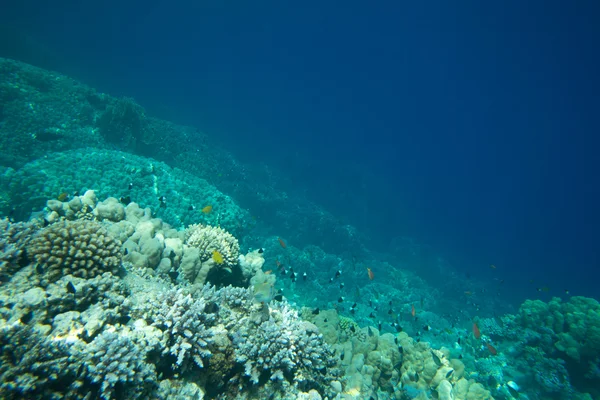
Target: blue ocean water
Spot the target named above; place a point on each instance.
(457, 139)
(469, 128)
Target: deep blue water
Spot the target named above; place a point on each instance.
(472, 128)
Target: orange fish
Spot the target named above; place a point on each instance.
(268, 272)
(492, 349)
(371, 275)
(207, 209)
(282, 243)
(476, 331)
(492, 266)
(468, 293)
(413, 312)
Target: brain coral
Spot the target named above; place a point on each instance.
(81, 248)
(210, 238)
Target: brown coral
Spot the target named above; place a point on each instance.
(81, 248)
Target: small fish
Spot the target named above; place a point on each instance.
(217, 257)
(330, 280)
(282, 243)
(436, 359)
(304, 276)
(491, 349)
(130, 186)
(316, 311)
(269, 272)
(71, 287)
(293, 276)
(341, 284)
(27, 317)
(379, 326)
(354, 305)
(162, 199)
(458, 340)
(191, 208)
(352, 329)
(325, 320)
(370, 331)
(476, 331)
(468, 293)
(543, 289)
(449, 373)
(390, 311)
(338, 273)
(371, 274)
(372, 315)
(278, 297)
(416, 377)
(492, 266)
(207, 209)
(64, 196)
(567, 292)
(413, 311)
(427, 328)
(261, 250)
(342, 355)
(341, 300)
(39, 269)
(284, 271)
(398, 327)
(163, 205)
(125, 199)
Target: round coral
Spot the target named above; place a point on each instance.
(209, 239)
(80, 248)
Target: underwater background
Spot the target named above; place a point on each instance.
(413, 187)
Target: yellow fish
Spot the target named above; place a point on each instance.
(207, 209)
(217, 257)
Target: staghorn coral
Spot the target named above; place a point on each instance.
(114, 358)
(81, 248)
(34, 366)
(184, 322)
(284, 347)
(13, 238)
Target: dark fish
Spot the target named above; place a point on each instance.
(401, 349)
(352, 328)
(340, 300)
(125, 199)
(390, 303)
(126, 251)
(370, 303)
(458, 341)
(338, 273)
(370, 331)
(341, 284)
(316, 311)
(304, 276)
(284, 271)
(162, 199)
(396, 339)
(278, 297)
(130, 186)
(372, 315)
(342, 355)
(330, 280)
(211, 308)
(379, 326)
(293, 276)
(436, 359)
(163, 205)
(325, 320)
(23, 259)
(460, 356)
(261, 250)
(398, 327)
(390, 311)
(76, 193)
(353, 311)
(449, 373)
(46, 136)
(416, 377)
(354, 305)
(71, 287)
(191, 208)
(27, 317)
(427, 328)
